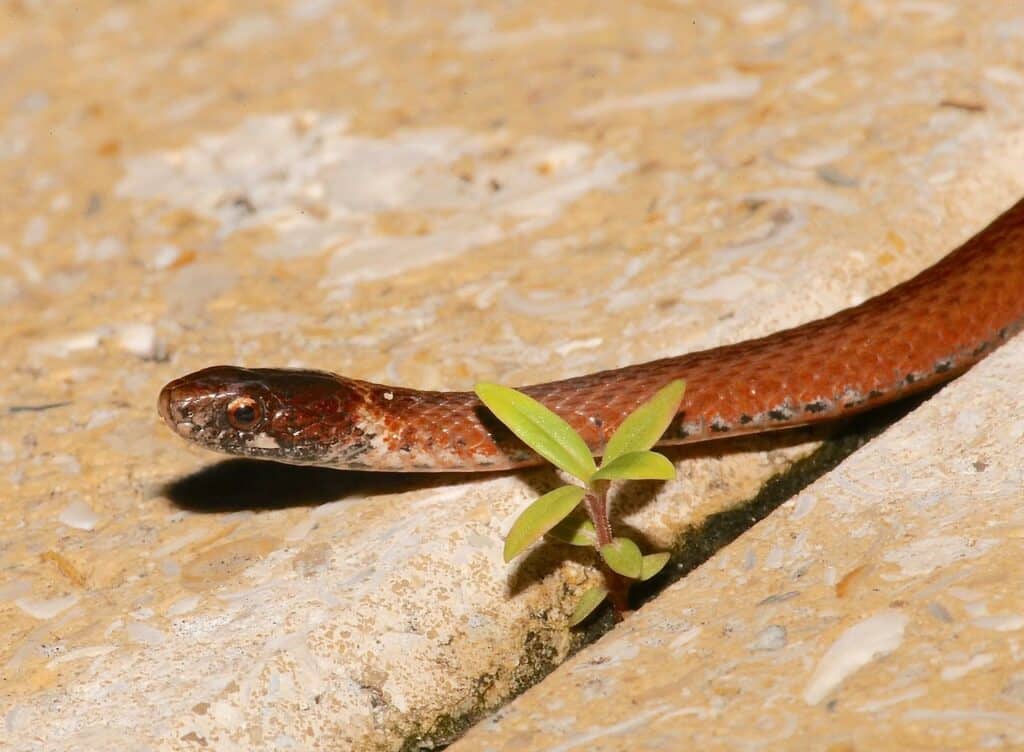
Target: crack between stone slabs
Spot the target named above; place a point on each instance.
(691, 549)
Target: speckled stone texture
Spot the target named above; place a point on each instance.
(433, 193)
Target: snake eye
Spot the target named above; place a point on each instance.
(244, 413)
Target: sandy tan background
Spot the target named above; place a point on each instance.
(432, 193)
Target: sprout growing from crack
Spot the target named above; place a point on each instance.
(627, 456)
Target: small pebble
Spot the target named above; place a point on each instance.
(61, 348)
(141, 340)
(165, 256)
(772, 637)
(79, 515)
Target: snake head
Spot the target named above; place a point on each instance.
(267, 413)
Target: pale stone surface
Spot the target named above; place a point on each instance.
(878, 609)
(424, 194)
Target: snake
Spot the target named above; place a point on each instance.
(912, 337)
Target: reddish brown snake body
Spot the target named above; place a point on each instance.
(920, 333)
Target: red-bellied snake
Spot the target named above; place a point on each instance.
(916, 335)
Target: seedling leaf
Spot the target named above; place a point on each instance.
(644, 465)
(539, 428)
(540, 517)
(576, 530)
(586, 605)
(624, 557)
(644, 426)
(652, 564)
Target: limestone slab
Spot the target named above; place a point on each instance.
(425, 194)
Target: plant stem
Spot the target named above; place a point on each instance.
(596, 504)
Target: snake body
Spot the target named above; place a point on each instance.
(918, 334)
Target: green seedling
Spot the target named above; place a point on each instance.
(578, 514)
